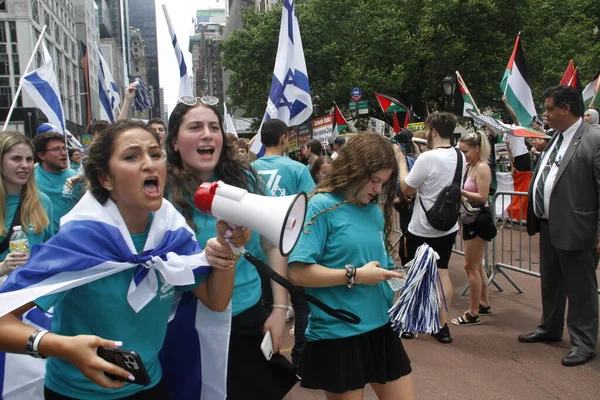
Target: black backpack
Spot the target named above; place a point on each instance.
(446, 209)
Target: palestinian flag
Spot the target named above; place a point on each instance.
(463, 100)
(515, 85)
(590, 92)
(407, 118)
(396, 123)
(339, 122)
(569, 75)
(389, 104)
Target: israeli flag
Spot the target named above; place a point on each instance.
(229, 126)
(185, 84)
(93, 242)
(42, 87)
(110, 101)
(289, 98)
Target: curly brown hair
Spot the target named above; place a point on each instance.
(362, 156)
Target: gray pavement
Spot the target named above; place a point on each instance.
(487, 361)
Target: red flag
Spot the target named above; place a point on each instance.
(396, 123)
(569, 75)
(407, 119)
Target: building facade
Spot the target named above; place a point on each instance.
(21, 23)
(206, 53)
(142, 16)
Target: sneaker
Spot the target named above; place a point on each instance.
(407, 335)
(289, 314)
(443, 336)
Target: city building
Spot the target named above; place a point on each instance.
(139, 64)
(263, 5)
(206, 52)
(142, 16)
(21, 23)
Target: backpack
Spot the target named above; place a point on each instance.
(446, 209)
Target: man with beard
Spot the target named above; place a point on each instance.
(52, 173)
(432, 172)
(564, 197)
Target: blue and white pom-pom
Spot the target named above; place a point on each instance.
(418, 307)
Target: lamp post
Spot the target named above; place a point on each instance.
(449, 84)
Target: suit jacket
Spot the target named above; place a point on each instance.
(574, 215)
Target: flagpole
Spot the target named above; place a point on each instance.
(18, 92)
(462, 82)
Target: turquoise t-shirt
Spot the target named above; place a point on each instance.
(100, 308)
(12, 202)
(51, 184)
(284, 176)
(349, 234)
(75, 166)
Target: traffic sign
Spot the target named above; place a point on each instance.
(352, 106)
(356, 93)
(363, 107)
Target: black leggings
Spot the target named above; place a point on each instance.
(158, 392)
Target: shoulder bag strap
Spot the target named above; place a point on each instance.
(16, 221)
(343, 315)
(458, 172)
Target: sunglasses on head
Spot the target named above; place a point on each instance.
(193, 101)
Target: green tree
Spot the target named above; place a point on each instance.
(404, 48)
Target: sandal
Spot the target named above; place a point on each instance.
(466, 319)
(485, 310)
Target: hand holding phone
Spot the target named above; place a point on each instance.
(267, 346)
(129, 361)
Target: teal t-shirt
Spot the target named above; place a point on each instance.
(100, 308)
(12, 202)
(284, 176)
(51, 184)
(348, 234)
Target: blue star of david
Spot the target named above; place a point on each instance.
(289, 80)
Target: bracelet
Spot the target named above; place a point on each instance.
(279, 306)
(350, 274)
(33, 343)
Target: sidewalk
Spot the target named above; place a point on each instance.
(487, 361)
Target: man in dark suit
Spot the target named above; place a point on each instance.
(564, 201)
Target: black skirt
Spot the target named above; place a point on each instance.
(341, 365)
(250, 375)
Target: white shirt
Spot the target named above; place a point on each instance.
(549, 184)
(516, 143)
(432, 171)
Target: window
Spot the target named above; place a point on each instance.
(16, 65)
(4, 68)
(47, 20)
(2, 32)
(66, 43)
(57, 32)
(35, 13)
(2, 5)
(5, 97)
(13, 31)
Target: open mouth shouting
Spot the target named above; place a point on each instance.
(151, 187)
(206, 150)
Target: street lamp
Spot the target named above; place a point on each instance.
(449, 84)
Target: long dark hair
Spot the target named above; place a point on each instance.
(182, 183)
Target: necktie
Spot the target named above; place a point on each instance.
(539, 189)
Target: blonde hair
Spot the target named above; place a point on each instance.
(478, 139)
(363, 155)
(32, 211)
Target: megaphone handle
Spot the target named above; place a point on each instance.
(237, 251)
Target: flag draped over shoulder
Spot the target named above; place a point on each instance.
(110, 100)
(42, 86)
(463, 99)
(185, 84)
(289, 97)
(590, 92)
(93, 242)
(339, 122)
(515, 84)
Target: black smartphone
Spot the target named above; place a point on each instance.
(128, 360)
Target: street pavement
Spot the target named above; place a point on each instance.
(487, 361)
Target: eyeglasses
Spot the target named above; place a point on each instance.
(192, 101)
(57, 149)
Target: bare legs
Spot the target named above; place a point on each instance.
(478, 287)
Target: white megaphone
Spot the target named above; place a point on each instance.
(278, 219)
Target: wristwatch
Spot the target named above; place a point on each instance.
(350, 274)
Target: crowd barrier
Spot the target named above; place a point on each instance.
(512, 249)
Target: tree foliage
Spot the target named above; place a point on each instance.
(404, 48)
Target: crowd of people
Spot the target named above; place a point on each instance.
(141, 178)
